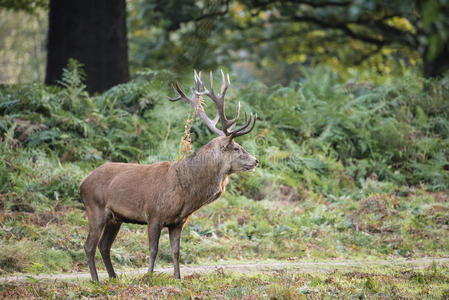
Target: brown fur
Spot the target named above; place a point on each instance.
(161, 195)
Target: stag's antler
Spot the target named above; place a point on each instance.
(201, 90)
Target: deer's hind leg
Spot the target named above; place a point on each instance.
(109, 234)
(97, 219)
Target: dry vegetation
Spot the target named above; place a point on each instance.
(374, 283)
(344, 174)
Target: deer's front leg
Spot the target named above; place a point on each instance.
(175, 236)
(154, 232)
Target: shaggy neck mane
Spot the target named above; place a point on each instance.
(202, 175)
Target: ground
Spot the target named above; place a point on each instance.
(242, 248)
(397, 279)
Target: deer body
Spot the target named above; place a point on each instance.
(170, 191)
(160, 195)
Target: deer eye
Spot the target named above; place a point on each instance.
(236, 149)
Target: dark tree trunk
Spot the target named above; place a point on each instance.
(438, 66)
(92, 32)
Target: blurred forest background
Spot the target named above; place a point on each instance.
(352, 136)
(269, 40)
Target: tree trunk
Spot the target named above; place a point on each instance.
(92, 32)
(438, 66)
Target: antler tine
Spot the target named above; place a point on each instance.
(198, 83)
(231, 123)
(246, 124)
(215, 120)
(211, 75)
(174, 99)
(200, 90)
(195, 103)
(177, 98)
(180, 94)
(224, 84)
(200, 86)
(218, 100)
(241, 131)
(249, 129)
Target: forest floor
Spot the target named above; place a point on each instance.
(304, 267)
(423, 278)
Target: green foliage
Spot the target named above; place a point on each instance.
(175, 34)
(30, 6)
(347, 170)
(69, 124)
(335, 135)
(276, 38)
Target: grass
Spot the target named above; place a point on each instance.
(239, 229)
(398, 282)
(346, 171)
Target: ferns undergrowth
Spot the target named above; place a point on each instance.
(318, 135)
(318, 140)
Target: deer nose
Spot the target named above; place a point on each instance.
(257, 161)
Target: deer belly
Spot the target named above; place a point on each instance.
(126, 207)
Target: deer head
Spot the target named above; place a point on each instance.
(232, 155)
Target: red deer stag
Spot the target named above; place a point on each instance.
(164, 194)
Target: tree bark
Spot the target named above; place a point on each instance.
(437, 66)
(92, 32)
